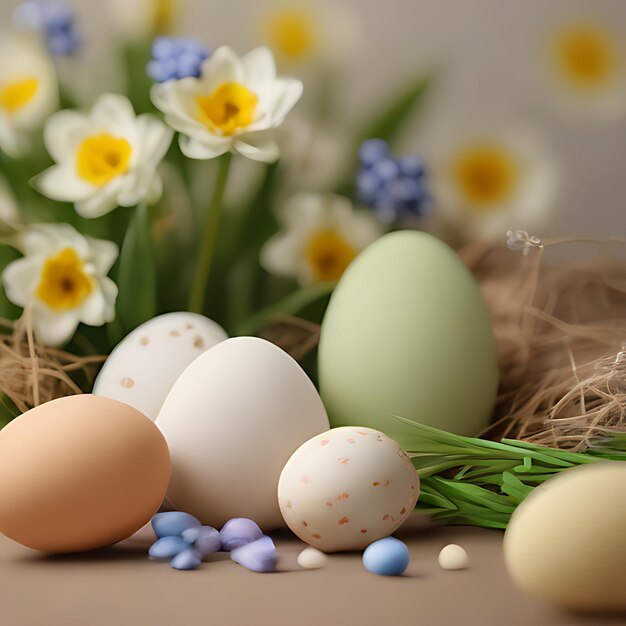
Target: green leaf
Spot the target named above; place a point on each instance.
(290, 305)
(389, 122)
(136, 279)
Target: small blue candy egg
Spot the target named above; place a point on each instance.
(257, 556)
(186, 560)
(387, 557)
(238, 532)
(173, 523)
(205, 539)
(168, 547)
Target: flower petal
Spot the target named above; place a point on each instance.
(20, 280)
(53, 329)
(116, 114)
(102, 202)
(60, 182)
(281, 254)
(63, 132)
(223, 66)
(258, 147)
(154, 138)
(195, 149)
(287, 92)
(103, 255)
(259, 66)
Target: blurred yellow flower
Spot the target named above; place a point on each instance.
(303, 31)
(320, 236)
(487, 183)
(135, 20)
(589, 67)
(28, 91)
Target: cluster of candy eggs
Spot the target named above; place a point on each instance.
(184, 542)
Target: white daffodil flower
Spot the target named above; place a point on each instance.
(28, 91)
(233, 106)
(306, 32)
(486, 184)
(587, 69)
(104, 159)
(62, 278)
(321, 234)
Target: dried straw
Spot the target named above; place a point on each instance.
(561, 334)
(31, 374)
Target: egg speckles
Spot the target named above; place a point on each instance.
(144, 366)
(346, 488)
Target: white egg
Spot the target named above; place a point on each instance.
(347, 488)
(146, 363)
(231, 421)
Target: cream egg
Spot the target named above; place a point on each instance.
(231, 420)
(565, 543)
(347, 488)
(143, 367)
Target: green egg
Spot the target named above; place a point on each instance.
(408, 333)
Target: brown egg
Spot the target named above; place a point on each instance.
(80, 473)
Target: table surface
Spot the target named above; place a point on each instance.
(119, 586)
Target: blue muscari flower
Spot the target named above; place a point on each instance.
(175, 58)
(394, 188)
(56, 22)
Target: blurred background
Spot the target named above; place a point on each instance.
(491, 65)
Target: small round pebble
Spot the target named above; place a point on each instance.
(187, 560)
(168, 547)
(205, 539)
(386, 557)
(453, 557)
(173, 523)
(312, 558)
(238, 532)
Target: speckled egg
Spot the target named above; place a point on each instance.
(346, 488)
(146, 363)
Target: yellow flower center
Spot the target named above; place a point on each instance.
(291, 33)
(328, 255)
(230, 107)
(485, 175)
(64, 284)
(585, 56)
(17, 94)
(100, 158)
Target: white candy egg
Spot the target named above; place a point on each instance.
(231, 421)
(146, 363)
(453, 557)
(347, 488)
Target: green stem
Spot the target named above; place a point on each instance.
(207, 248)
